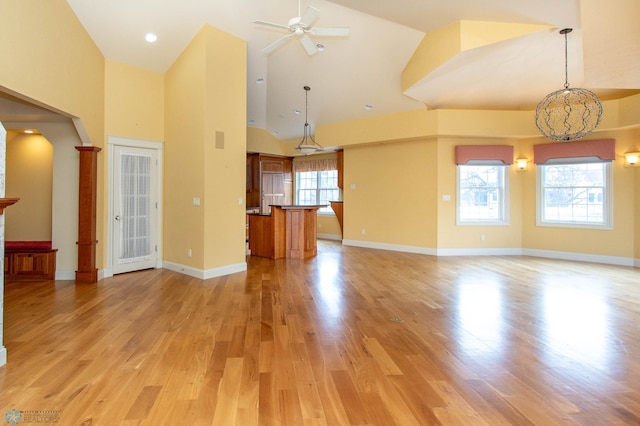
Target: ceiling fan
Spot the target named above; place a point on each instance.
(300, 26)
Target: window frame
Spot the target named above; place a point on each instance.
(504, 219)
(324, 211)
(607, 194)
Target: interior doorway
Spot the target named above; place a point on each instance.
(134, 205)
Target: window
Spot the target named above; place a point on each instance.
(575, 195)
(317, 187)
(482, 195)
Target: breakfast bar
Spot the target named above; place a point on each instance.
(288, 232)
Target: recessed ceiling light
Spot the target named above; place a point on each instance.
(276, 132)
(368, 106)
(260, 80)
(320, 47)
(297, 112)
(29, 131)
(151, 37)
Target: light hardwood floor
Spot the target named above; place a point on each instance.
(352, 337)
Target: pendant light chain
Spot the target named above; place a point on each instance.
(566, 57)
(306, 113)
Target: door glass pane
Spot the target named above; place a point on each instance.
(135, 186)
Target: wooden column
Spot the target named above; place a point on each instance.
(87, 211)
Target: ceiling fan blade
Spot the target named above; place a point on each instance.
(271, 24)
(308, 45)
(279, 42)
(330, 32)
(309, 16)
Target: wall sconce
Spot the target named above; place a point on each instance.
(521, 163)
(632, 158)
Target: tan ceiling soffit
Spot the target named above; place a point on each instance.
(440, 46)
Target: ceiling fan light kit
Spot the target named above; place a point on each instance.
(570, 113)
(307, 145)
(300, 26)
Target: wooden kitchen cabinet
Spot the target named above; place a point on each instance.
(340, 166)
(269, 181)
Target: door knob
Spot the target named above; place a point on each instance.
(117, 217)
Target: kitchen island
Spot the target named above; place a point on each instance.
(290, 231)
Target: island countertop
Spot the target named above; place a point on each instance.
(299, 206)
(290, 207)
(289, 231)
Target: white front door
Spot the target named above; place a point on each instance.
(134, 209)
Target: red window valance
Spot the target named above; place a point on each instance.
(484, 153)
(604, 149)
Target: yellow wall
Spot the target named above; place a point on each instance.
(225, 149)
(619, 241)
(205, 94)
(54, 61)
(134, 102)
(184, 153)
(329, 227)
(30, 178)
(450, 235)
(393, 198)
(262, 141)
(636, 196)
(386, 204)
(436, 48)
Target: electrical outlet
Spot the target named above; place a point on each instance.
(189, 252)
(364, 231)
(482, 237)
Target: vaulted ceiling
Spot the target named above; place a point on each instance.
(366, 68)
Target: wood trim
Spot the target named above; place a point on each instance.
(6, 202)
(340, 168)
(337, 207)
(30, 264)
(87, 212)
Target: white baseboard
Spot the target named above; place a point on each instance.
(334, 237)
(65, 275)
(480, 252)
(580, 257)
(391, 247)
(3, 356)
(240, 267)
(187, 270)
(205, 274)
